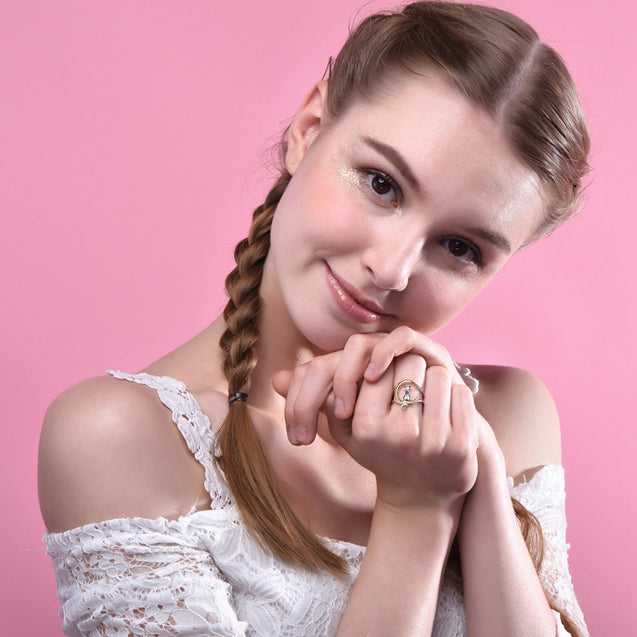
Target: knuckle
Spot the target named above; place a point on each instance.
(411, 357)
(318, 365)
(299, 372)
(436, 444)
(406, 442)
(458, 452)
(439, 373)
(439, 350)
(461, 391)
(306, 403)
(356, 341)
(303, 411)
(405, 333)
(364, 427)
(341, 379)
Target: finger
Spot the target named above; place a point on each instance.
(281, 382)
(294, 386)
(372, 406)
(349, 372)
(401, 341)
(409, 367)
(309, 389)
(464, 422)
(437, 414)
(406, 418)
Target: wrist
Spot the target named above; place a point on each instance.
(414, 524)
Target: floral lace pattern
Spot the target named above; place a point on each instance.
(204, 574)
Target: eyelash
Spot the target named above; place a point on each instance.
(366, 173)
(476, 253)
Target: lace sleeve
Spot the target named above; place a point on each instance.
(544, 495)
(140, 577)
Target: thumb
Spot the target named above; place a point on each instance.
(281, 382)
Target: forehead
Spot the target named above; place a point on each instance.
(458, 153)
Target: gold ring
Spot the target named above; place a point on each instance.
(405, 399)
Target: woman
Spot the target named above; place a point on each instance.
(316, 417)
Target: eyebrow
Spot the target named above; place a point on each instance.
(495, 238)
(390, 153)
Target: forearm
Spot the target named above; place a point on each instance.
(503, 595)
(396, 592)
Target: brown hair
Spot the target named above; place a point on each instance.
(497, 61)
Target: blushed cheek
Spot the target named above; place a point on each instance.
(336, 214)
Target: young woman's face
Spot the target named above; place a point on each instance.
(398, 213)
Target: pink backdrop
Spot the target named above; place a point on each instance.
(131, 146)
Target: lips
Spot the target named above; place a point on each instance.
(353, 302)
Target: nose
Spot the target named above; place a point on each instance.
(392, 256)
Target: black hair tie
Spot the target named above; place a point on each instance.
(237, 396)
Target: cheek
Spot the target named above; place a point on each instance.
(321, 211)
(439, 299)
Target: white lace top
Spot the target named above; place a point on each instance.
(204, 574)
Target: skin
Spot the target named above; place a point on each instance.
(369, 255)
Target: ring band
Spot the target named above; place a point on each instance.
(405, 399)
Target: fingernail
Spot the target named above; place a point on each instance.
(292, 436)
(339, 407)
(299, 435)
(369, 371)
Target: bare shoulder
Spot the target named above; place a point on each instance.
(522, 413)
(109, 449)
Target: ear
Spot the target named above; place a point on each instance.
(305, 126)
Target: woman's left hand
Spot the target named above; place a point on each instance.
(423, 455)
(337, 376)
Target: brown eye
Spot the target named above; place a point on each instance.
(458, 248)
(382, 188)
(463, 250)
(381, 185)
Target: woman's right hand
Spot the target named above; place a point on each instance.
(422, 455)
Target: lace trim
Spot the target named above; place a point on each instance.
(465, 373)
(193, 424)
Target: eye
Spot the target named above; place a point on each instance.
(463, 250)
(382, 185)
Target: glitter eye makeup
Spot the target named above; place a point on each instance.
(370, 182)
(350, 176)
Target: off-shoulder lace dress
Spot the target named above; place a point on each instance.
(204, 574)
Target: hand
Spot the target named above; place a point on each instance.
(418, 455)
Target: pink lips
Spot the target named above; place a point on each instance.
(353, 302)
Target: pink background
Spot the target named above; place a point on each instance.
(132, 140)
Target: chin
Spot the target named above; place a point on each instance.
(331, 337)
(323, 342)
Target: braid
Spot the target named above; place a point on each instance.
(257, 491)
(241, 313)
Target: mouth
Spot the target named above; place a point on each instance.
(353, 302)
